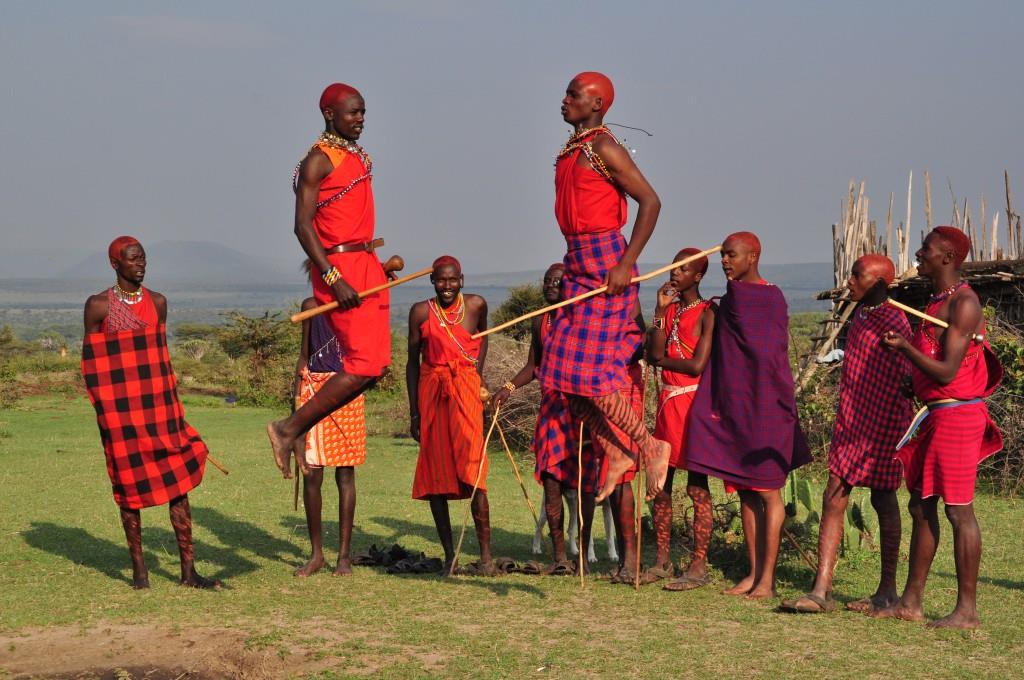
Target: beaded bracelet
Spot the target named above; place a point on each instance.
(510, 386)
(331, 276)
(658, 322)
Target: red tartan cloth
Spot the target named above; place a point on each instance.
(873, 413)
(556, 441)
(942, 460)
(153, 455)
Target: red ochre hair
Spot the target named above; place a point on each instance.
(118, 245)
(334, 92)
(880, 265)
(700, 264)
(747, 238)
(601, 86)
(446, 260)
(957, 241)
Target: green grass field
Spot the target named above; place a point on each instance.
(65, 604)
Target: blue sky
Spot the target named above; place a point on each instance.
(183, 121)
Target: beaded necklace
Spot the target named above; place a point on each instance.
(583, 141)
(673, 335)
(337, 142)
(943, 294)
(863, 311)
(446, 323)
(127, 297)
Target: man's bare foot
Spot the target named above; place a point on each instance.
(741, 588)
(656, 462)
(957, 620)
(315, 564)
(197, 581)
(618, 464)
(140, 582)
(873, 603)
(281, 445)
(898, 611)
(760, 593)
(343, 568)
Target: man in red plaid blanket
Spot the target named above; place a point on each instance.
(153, 455)
(873, 414)
(954, 369)
(590, 343)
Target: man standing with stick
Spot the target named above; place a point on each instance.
(590, 343)
(443, 376)
(334, 222)
(953, 370)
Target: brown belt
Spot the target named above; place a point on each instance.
(362, 247)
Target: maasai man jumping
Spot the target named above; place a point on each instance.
(334, 222)
(338, 441)
(953, 371)
(743, 425)
(591, 342)
(555, 438)
(873, 414)
(153, 455)
(680, 345)
(443, 377)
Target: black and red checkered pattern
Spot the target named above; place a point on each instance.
(153, 455)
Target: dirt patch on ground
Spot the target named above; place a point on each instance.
(167, 652)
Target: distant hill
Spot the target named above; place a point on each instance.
(191, 261)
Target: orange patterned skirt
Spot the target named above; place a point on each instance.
(339, 440)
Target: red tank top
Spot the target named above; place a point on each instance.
(349, 218)
(586, 202)
(124, 317)
(972, 379)
(682, 341)
(444, 342)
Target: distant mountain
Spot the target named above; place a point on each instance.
(197, 262)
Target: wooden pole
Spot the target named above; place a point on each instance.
(638, 517)
(579, 507)
(309, 313)
(519, 478)
(213, 461)
(1009, 216)
(596, 291)
(476, 485)
(927, 200)
(928, 317)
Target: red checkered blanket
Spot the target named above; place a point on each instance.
(153, 455)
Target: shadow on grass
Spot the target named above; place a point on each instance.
(1000, 582)
(248, 536)
(111, 559)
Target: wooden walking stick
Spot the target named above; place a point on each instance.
(295, 498)
(309, 313)
(476, 484)
(803, 553)
(596, 291)
(579, 505)
(519, 478)
(213, 461)
(638, 519)
(928, 317)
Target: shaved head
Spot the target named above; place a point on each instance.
(336, 92)
(447, 261)
(877, 265)
(747, 239)
(597, 85)
(116, 248)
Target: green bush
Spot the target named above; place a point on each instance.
(521, 300)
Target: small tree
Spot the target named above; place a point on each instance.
(521, 300)
(196, 331)
(261, 338)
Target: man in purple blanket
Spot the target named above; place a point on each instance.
(743, 424)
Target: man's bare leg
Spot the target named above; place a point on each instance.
(336, 392)
(752, 516)
(924, 541)
(482, 522)
(703, 523)
(345, 477)
(769, 537)
(181, 520)
(624, 516)
(443, 523)
(131, 520)
(587, 501)
(313, 502)
(834, 500)
(613, 408)
(553, 511)
(887, 506)
(663, 523)
(967, 555)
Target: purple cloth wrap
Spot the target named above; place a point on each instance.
(743, 425)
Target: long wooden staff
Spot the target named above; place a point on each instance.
(579, 506)
(803, 553)
(638, 518)
(928, 317)
(519, 478)
(302, 316)
(476, 484)
(596, 291)
(213, 461)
